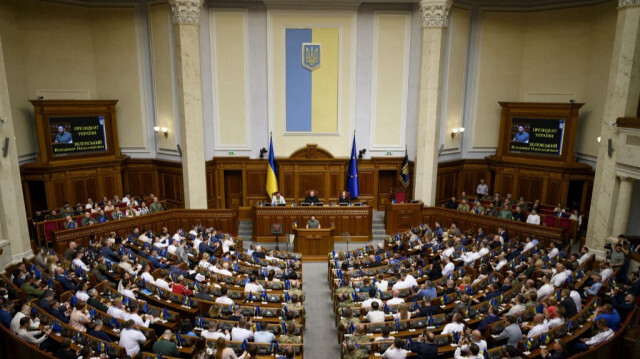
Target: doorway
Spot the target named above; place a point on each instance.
(233, 189)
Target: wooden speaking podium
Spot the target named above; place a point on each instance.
(313, 242)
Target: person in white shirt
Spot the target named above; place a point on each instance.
(456, 325)
(131, 338)
(126, 289)
(146, 275)
(204, 262)
(24, 312)
(252, 286)
(576, 298)
(604, 334)
(533, 217)
(396, 298)
(471, 352)
(116, 310)
(585, 255)
(560, 275)
(518, 306)
(142, 321)
(554, 251)
(126, 199)
(483, 250)
(539, 327)
(30, 335)
(482, 189)
(372, 298)
(173, 246)
(546, 289)
(126, 265)
(163, 283)
(464, 344)
(530, 244)
(605, 271)
(82, 294)
(502, 261)
(143, 237)
(375, 315)
(400, 284)
(396, 351)
(277, 199)
(447, 252)
(224, 299)
(448, 268)
(79, 263)
(178, 235)
(385, 335)
(381, 284)
(224, 269)
(227, 243)
(215, 334)
(241, 332)
(470, 257)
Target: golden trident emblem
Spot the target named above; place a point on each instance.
(311, 55)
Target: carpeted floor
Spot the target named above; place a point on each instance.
(321, 335)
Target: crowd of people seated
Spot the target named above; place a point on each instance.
(483, 203)
(470, 294)
(99, 212)
(167, 294)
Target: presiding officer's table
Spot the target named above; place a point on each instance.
(351, 223)
(313, 242)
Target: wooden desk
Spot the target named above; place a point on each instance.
(400, 217)
(356, 221)
(313, 242)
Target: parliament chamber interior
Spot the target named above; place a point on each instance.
(319, 179)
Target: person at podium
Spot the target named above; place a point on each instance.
(277, 199)
(344, 198)
(311, 198)
(313, 223)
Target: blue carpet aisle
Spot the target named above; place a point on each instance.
(321, 335)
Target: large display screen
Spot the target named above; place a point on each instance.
(77, 135)
(538, 136)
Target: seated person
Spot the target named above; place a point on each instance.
(344, 198)
(277, 199)
(608, 313)
(604, 333)
(311, 198)
(88, 220)
(313, 223)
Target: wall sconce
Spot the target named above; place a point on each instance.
(457, 130)
(599, 139)
(163, 130)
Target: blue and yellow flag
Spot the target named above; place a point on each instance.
(405, 176)
(272, 181)
(311, 80)
(352, 177)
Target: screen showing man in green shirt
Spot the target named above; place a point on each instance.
(313, 223)
(63, 136)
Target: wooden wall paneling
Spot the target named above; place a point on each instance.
(309, 180)
(59, 193)
(554, 189)
(507, 184)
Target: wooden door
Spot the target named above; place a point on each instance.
(387, 181)
(233, 188)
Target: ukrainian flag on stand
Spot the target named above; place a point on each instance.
(272, 181)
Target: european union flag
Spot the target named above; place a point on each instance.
(244, 345)
(92, 313)
(352, 178)
(179, 339)
(113, 323)
(405, 176)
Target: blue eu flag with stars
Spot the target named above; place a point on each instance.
(352, 180)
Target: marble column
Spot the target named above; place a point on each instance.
(622, 100)
(186, 17)
(435, 19)
(14, 233)
(623, 205)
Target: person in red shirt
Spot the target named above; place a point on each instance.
(180, 288)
